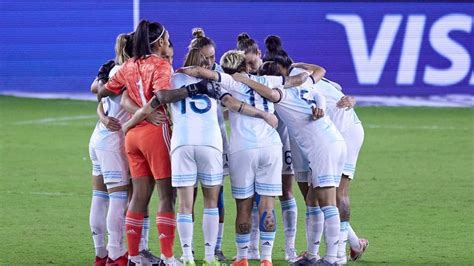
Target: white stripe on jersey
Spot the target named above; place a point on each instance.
(194, 119)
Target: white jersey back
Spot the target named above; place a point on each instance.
(194, 119)
(102, 138)
(341, 117)
(249, 132)
(294, 109)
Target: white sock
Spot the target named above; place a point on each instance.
(314, 229)
(332, 224)
(242, 242)
(97, 221)
(341, 250)
(145, 234)
(353, 238)
(210, 228)
(255, 232)
(116, 223)
(220, 235)
(185, 230)
(290, 216)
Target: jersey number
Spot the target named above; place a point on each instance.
(252, 100)
(303, 94)
(192, 104)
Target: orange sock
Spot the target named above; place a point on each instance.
(166, 223)
(133, 228)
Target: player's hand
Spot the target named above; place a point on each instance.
(239, 76)
(346, 102)
(317, 113)
(190, 70)
(111, 123)
(271, 119)
(208, 87)
(156, 118)
(104, 70)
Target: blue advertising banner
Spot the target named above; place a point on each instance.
(370, 48)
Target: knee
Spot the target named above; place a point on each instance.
(268, 221)
(244, 228)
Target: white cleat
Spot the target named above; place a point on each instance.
(290, 254)
(170, 261)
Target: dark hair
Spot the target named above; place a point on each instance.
(171, 44)
(200, 40)
(129, 44)
(246, 44)
(270, 68)
(146, 33)
(274, 48)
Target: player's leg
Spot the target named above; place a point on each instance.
(98, 210)
(114, 167)
(142, 187)
(254, 253)
(242, 181)
(220, 205)
(210, 174)
(268, 185)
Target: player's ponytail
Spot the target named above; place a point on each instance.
(274, 48)
(146, 34)
(246, 44)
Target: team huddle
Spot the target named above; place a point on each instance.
(165, 127)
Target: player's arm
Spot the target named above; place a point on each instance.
(319, 104)
(111, 123)
(241, 107)
(273, 95)
(199, 72)
(318, 72)
(95, 86)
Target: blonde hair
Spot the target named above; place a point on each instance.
(199, 39)
(120, 54)
(195, 58)
(233, 61)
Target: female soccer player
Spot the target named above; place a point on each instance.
(110, 169)
(147, 145)
(287, 200)
(208, 48)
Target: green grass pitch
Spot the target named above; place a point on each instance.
(412, 196)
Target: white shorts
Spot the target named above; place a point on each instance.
(326, 164)
(112, 166)
(299, 160)
(354, 137)
(287, 168)
(192, 163)
(256, 171)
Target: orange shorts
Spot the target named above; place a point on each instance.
(148, 151)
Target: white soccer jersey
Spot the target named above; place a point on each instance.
(102, 138)
(294, 109)
(220, 115)
(194, 119)
(341, 117)
(249, 132)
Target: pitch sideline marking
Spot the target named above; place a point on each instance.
(50, 120)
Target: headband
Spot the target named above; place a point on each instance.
(161, 35)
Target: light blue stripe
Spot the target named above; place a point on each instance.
(100, 194)
(267, 185)
(211, 211)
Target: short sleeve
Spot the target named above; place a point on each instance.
(228, 83)
(116, 82)
(162, 76)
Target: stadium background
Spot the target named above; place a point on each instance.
(413, 194)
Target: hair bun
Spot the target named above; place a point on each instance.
(198, 33)
(243, 36)
(273, 43)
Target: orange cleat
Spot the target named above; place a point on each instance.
(120, 261)
(266, 263)
(242, 262)
(100, 261)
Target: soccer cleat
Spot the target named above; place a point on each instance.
(342, 260)
(253, 253)
(357, 254)
(100, 261)
(323, 262)
(120, 261)
(304, 259)
(169, 261)
(212, 263)
(147, 256)
(266, 263)
(290, 254)
(219, 255)
(242, 262)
